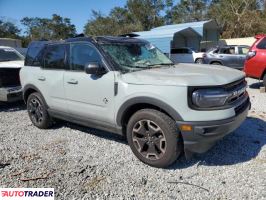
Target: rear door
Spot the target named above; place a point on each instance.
(242, 53)
(49, 78)
(228, 56)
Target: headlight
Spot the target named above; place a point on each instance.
(208, 98)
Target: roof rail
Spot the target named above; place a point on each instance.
(260, 36)
(129, 35)
(79, 35)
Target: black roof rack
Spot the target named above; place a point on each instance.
(129, 35)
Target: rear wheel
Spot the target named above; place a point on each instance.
(264, 80)
(154, 138)
(38, 111)
(199, 61)
(216, 63)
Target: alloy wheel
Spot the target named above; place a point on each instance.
(149, 139)
(35, 109)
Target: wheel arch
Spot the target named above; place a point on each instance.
(263, 73)
(28, 90)
(128, 108)
(216, 61)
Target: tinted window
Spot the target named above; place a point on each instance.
(243, 50)
(177, 51)
(55, 57)
(83, 54)
(8, 54)
(33, 57)
(230, 50)
(262, 44)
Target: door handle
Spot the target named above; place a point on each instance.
(41, 78)
(72, 81)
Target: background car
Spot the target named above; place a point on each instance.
(186, 55)
(231, 56)
(255, 65)
(11, 62)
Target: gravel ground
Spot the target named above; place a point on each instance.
(82, 163)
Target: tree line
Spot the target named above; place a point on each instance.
(236, 18)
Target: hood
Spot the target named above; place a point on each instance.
(12, 64)
(184, 75)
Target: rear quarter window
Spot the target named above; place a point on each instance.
(262, 44)
(34, 54)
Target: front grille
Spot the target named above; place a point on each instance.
(236, 91)
(9, 77)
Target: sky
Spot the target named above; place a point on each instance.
(79, 11)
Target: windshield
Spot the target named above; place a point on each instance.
(137, 56)
(8, 54)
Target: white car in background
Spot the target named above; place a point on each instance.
(11, 62)
(186, 55)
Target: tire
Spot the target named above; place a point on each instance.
(154, 138)
(216, 63)
(37, 111)
(264, 80)
(199, 61)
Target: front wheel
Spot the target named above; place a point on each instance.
(154, 138)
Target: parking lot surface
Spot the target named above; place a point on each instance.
(83, 163)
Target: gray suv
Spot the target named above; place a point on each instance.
(231, 56)
(127, 86)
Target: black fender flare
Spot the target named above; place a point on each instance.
(32, 87)
(146, 100)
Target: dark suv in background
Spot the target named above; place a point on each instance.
(231, 56)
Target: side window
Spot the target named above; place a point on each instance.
(243, 50)
(230, 50)
(176, 51)
(54, 57)
(83, 54)
(262, 44)
(186, 51)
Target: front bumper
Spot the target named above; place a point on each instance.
(205, 134)
(11, 94)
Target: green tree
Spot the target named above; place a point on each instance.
(190, 11)
(51, 29)
(238, 18)
(147, 12)
(118, 22)
(8, 29)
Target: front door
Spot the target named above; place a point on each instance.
(89, 97)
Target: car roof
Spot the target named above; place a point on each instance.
(99, 39)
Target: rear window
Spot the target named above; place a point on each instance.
(54, 57)
(8, 54)
(262, 44)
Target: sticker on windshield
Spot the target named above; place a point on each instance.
(149, 46)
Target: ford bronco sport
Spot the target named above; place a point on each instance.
(127, 86)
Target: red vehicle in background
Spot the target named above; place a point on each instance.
(255, 64)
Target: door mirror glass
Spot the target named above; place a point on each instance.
(94, 69)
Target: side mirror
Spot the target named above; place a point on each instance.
(94, 69)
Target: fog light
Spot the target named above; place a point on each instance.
(186, 128)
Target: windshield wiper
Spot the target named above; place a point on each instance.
(162, 64)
